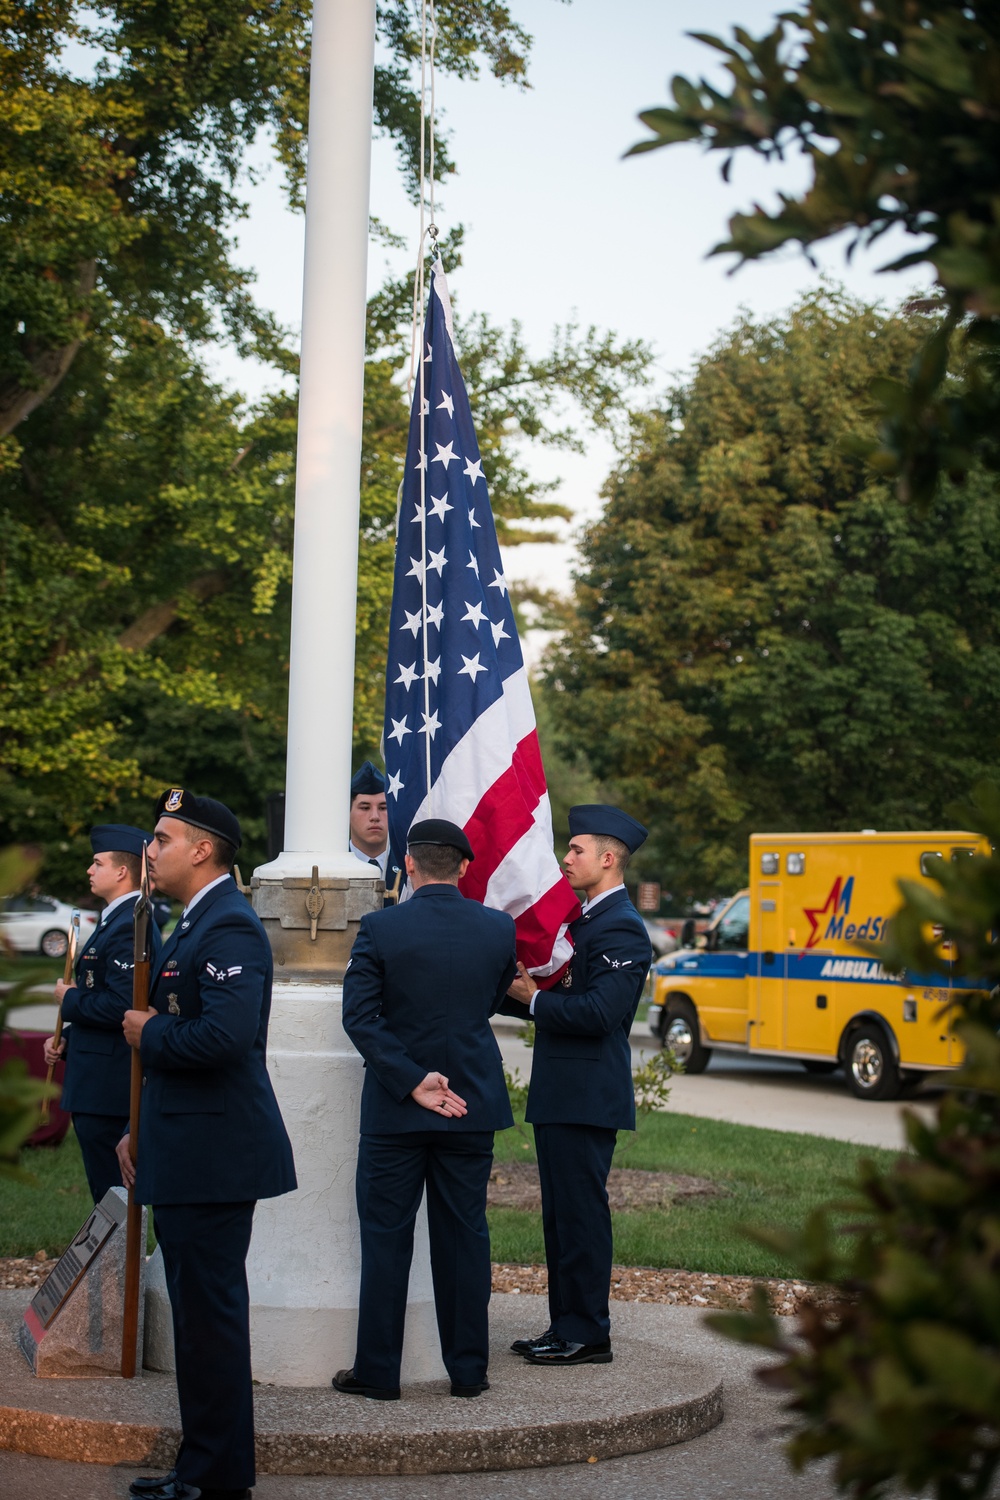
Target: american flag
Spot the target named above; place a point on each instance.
(460, 739)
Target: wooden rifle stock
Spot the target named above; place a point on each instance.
(134, 1248)
(72, 937)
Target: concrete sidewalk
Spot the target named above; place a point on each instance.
(740, 1459)
(530, 1417)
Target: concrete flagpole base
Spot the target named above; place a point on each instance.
(305, 1258)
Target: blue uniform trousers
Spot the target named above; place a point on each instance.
(573, 1166)
(392, 1171)
(98, 1136)
(204, 1256)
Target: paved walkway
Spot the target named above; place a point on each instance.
(739, 1460)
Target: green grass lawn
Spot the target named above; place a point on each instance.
(47, 1215)
(772, 1180)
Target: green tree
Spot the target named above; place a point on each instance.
(124, 131)
(894, 105)
(145, 565)
(763, 635)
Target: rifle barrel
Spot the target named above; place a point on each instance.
(134, 1248)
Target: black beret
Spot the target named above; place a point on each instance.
(118, 838)
(367, 781)
(440, 831)
(200, 812)
(609, 822)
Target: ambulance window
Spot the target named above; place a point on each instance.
(957, 854)
(734, 927)
(769, 864)
(795, 864)
(927, 866)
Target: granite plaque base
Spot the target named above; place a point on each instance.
(72, 1328)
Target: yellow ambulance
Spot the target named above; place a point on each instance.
(781, 971)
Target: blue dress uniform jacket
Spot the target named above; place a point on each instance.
(211, 1142)
(581, 1066)
(210, 1129)
(98, 1058)
(580, 1095)
(423, 980)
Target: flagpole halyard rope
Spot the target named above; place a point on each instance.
(428, 29)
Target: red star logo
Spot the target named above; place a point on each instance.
(815, 912)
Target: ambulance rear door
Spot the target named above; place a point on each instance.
(768, 948)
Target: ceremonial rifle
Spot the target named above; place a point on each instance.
(72, 943)
(134, 1248)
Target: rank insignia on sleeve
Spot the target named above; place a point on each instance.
(121, 964)
(89, 981)
(221, 975)
(175, 799)
(173, 1005)
(616, 963)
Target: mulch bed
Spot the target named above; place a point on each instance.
(679, 1288)
(514, 1184)
(628, 1284)
(25, 1272)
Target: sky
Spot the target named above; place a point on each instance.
(560, 228)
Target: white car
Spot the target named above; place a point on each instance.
(40, 924)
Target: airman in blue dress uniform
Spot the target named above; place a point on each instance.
(423, 980)
(98, 1058)
(581, 1091)
(370, 827)
(211, 1138)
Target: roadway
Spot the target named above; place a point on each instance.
(779, 1095)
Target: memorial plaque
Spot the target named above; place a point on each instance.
(73, 1325)
(72, 1263)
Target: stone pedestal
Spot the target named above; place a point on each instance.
(73, 1325)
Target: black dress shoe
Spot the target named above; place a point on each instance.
(347, 1382)
(543, 1341)
(562, 1352)
(471, 1390)
(145, 1483)
(166, 1487)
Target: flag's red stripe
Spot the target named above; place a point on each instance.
(504, 815)
(537, 927)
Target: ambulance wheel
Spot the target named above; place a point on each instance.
(54, 943)
(682, 1035)
(869, 1063)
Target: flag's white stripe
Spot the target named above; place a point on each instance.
(526, 872)
(562, 952)
(482, 755)
(440, 287)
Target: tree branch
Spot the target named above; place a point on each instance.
(158, 618)
(17, 401)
